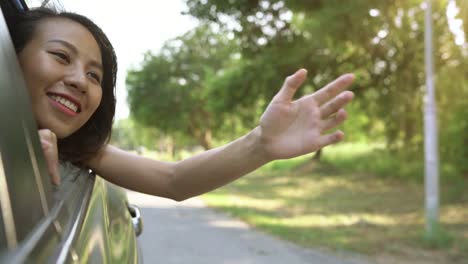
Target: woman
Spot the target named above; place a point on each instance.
(70, 68)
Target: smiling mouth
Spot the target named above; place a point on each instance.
(65, 102)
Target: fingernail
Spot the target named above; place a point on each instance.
(349, 95)
(301, 70)
(349, 77)
(45, 145)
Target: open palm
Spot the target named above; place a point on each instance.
(292, 128)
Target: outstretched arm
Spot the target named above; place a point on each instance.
(287, 129)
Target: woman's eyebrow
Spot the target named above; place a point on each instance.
(75, 50)
(65, 43)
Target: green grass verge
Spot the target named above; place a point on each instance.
(341, 204)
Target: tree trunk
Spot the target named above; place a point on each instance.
(317, 155)
(206, 140)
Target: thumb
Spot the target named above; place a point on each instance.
(49, 148)
(290, 86)
(52, 163)
(45, 145)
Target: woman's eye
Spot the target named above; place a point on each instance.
(61, 56)
(95, 76)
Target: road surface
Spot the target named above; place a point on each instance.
(191, 233)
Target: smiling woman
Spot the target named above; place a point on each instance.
(78, 69)
(72, 96)
(66, 90)
(70, 71)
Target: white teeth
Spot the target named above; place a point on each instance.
(72, 106)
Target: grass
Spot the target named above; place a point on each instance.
(342, 205)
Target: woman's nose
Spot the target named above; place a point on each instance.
(77, 79)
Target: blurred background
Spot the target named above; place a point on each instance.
(211, 80)
(211, 84)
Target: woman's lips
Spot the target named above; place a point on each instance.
(62, 108)
(67, 97)
(67, 104)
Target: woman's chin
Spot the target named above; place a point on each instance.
(60, 133)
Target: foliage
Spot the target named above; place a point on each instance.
(381, 41)
(169, 90)
(217, 79)
(129, 135)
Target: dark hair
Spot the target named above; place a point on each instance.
(95, 133)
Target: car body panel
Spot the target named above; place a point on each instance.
(105, 235)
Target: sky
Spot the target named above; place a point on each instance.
(133, 28)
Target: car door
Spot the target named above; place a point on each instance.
(85, 219)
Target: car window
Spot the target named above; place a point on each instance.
(25, 188)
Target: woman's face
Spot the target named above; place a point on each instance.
(63, 71)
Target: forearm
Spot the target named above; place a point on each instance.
(134, 172)
(183, 179)
(219, 166)
(287, 129)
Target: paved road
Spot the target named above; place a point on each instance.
(190, 233)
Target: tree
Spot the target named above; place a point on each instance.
(170, 91)
(260, 42)
(128, 134)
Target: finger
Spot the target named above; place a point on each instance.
(290, 86)
(333, 88)
(47, 135)
(332, 138)
(336, 104)
(335, 120)
(51, 156)
(45, 145)
(49, 147)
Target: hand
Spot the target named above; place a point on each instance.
(292, 128)
(49, 147)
